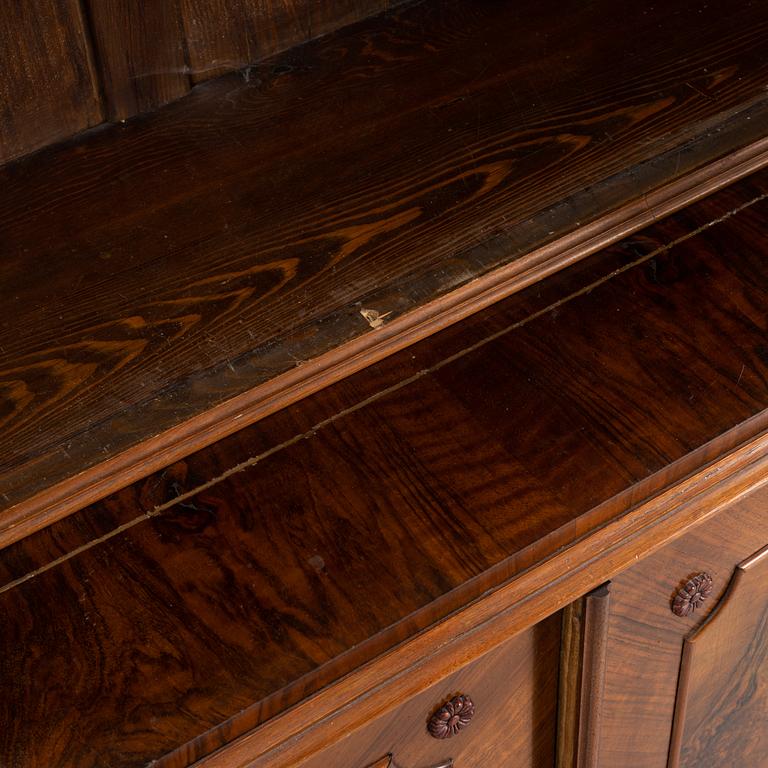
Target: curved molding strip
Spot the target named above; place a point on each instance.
(582, 679)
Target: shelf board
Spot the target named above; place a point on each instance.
(166, 281)
(522, 457)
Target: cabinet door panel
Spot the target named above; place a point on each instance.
(721, 715)
(514, 692)
(645, 637)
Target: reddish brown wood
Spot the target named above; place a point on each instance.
(48, 88)
(140, 53)
(236, 253)
(646, 639)
(582, 675)
(243, 597)
(569, 688)
(593, 669)
(515, 689)
(721, 712)
(544, 588)
(385, 762)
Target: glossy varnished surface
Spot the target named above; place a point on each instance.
(367, 520)
(514, 693)
(645, 646)
(153, 270)
(721, 712)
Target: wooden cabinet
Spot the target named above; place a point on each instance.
(407, 384)
(513, 690)
(721, 711)
(684, 681)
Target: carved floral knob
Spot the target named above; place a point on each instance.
(690, 596)
(451, 717)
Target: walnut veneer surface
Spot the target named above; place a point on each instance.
(166, 281)
(206, 599)
(645, 641)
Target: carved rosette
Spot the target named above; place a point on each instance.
(690, 596)
(451, 717)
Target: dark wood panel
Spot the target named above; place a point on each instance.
(646, 637)
(140, 52)
(190, 257)
(225, 35)
(48, 90)
(514, 693)
(161, 489)
(721, 712)
(375, 513)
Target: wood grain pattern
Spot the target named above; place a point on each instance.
(721, 711)
(226, 35)
(481, 626)
(242, 599)
(582, 677)
(238, 260)
(569, 687)
(385, 762)
(140, 52)
(646, 638)
(514, 689)
(48, 90)
(161, 489)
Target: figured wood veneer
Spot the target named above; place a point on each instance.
(357, 530)
(721, 713)
(645, 641)
(515, 691)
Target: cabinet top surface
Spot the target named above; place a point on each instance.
(262, 568)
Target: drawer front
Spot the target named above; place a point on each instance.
(510, 720)
(659, 607)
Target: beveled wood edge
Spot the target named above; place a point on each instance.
(689, 651)
(583, 647)
(684, 677)
(335, 712)
(569, 684)
(593, 660)
(151, 455)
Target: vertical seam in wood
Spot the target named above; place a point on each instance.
(95, 60)
(182, 31)
(571, 643)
